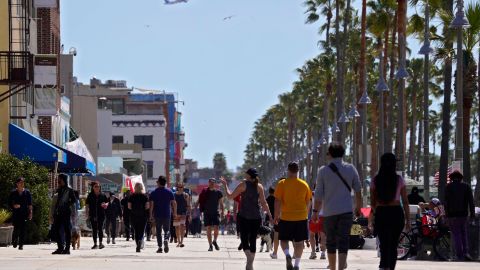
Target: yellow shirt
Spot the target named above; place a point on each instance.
(295, 194)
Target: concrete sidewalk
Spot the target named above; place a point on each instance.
(193, 256)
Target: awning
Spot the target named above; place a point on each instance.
(76, 164)
(22, 145)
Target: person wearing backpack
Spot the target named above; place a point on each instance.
(333, 194)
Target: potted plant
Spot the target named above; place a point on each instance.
(6, 231)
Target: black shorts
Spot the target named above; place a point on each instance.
(211, 219)
(296, 231)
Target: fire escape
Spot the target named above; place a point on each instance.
(16, 64)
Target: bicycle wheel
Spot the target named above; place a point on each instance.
(404, 246)
(443, 248)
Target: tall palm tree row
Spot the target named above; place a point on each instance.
(331, 84)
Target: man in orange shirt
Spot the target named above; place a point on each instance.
(292, 197)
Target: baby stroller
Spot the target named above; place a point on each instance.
(357, 240)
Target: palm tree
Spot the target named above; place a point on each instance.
(472, 38)
(402, 35)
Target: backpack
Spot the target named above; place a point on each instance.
(202, 199)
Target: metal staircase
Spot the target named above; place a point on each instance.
(16, 64)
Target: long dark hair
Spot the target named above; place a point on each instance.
(386, 181)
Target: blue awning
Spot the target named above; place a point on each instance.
(76, 164)
(23, 144)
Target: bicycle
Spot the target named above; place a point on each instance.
(412, 242)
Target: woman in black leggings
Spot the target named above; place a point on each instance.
(249, 217)
(138, 205)
(387, 189)
(95, 209)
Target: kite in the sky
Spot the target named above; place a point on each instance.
(170, 2)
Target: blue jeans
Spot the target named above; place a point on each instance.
(338, 228)
(162, 223)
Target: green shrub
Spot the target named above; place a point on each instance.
(4, 216)
(36, 180)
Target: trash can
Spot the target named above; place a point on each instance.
(474, 238)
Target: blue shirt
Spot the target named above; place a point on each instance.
(162, 198)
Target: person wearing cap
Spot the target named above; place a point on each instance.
(458, 205)
(212, 205)
(20, 201)
(183, 208)
(162, 204)
(250, 217)
(414, 197)
(333, 194)
(292, 197)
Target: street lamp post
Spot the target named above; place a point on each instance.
(364, 101)
(459, 22)
(354, 114)
(426, 50)
(381, 87)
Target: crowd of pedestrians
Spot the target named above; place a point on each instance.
(292, 214)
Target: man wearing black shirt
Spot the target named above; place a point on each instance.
(271, 206)
(213, 202)
(126, 215)
(414, 198)
(458, 205)
(20, 201)
(62, 213)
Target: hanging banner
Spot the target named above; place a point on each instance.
(46, 101)
(45, 71)
(131, 181)
(45, 3)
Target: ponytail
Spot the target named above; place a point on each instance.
(256, 180)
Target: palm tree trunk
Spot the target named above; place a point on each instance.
(339, 86)
(401, 25)
(469, 84)
(477, 186)
(390, 109)
(446, 110)
(413, 131)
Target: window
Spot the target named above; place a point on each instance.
(117, 105)
(117, 139)
(149, 169)
(145, 141)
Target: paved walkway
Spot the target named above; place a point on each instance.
(193, 257)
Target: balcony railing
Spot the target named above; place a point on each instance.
(16, 68)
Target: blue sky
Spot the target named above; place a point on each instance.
(227, 72)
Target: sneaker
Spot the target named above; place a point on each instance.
(210, 248)
(182, 245)
(113, 241)
(289, 262)
(165, 244)
(296, 268)
(95, 246)
(273, 256)
(20, 247)
(128, 239)
(108, 240)
(58, 251)
(322, 256)
(66, 252)
(101, 246)
(160, 250)
(137, 250)
(313, 256)
(216, 245)
(14, 245)
(317, 249)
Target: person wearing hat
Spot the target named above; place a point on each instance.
(458, 205)
(250, 217)
(213, 203)
(20, 201)
(414, 198)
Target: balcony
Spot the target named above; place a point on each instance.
(16, 68)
